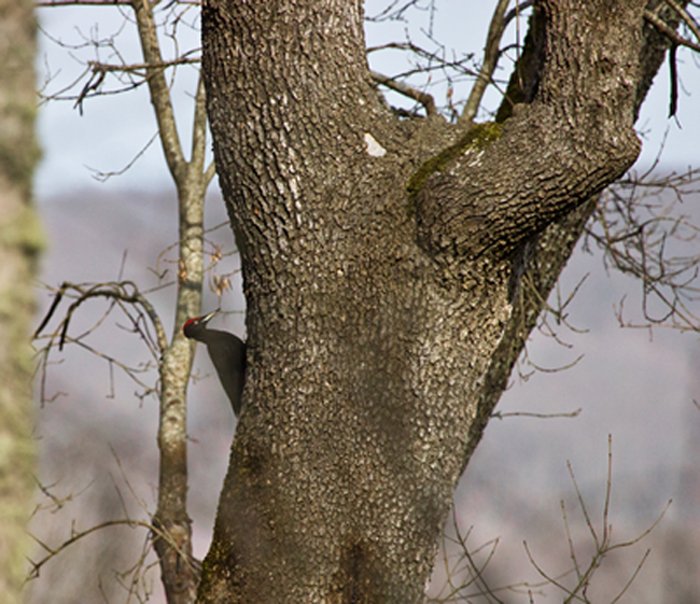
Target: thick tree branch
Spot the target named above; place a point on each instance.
(179, 579)
(494, 196)
(551, 251)
(172, 534)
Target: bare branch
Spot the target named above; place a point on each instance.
(424, 54)
(75, 537)
(142, 68)
(105, 176)
(53, 552)
(634, 224)
(125, 291)
(391, 13)
(689, 21)
(488, 66)
(516, 11)
(160, 93)
(199, 130)
(671, 33)
(422, 97)
(602, 543)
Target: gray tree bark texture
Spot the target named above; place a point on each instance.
(386, 284)
(20, 242)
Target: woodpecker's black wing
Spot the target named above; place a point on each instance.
(227, 353)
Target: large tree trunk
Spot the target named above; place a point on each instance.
(20, 241)
(381, 280)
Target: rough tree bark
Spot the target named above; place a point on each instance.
(391, 272)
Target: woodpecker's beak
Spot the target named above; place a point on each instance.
(206, 318)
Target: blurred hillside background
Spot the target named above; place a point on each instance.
(97, 437)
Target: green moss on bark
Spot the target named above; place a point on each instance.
(479, 137)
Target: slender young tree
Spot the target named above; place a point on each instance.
(392, 272)
(170, 524)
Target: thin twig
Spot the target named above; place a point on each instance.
(569, 414)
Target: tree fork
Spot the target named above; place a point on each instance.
(372, 329)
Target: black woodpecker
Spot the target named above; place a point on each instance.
(227, 353)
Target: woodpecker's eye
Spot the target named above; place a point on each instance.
(189, 325)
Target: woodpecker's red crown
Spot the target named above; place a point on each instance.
(191, 322)
(197, 322)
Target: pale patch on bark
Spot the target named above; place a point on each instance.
(373, 147)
